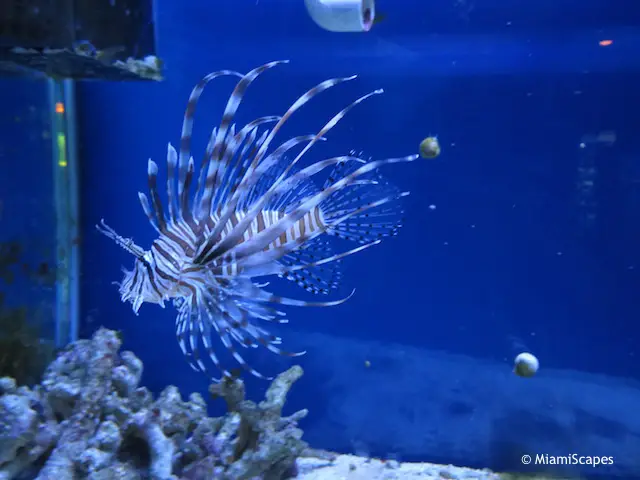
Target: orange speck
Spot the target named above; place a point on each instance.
(60, 107)
(605, 43)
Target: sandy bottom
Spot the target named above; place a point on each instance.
(350, 467)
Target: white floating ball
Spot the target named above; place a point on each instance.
(526, 365)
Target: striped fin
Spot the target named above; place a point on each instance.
(263, 312)
(225, 173)
(258, 267)
(202, 175)
(178, 230)
(236, 162)
(148, 211)
(269, 171)
(230, 320)
(212, 163)
(294, 244)
(187, 328)
(302, 266)
(185, 162)
(275, 253)
(244, 160)
(252, 176)
(185, 210)
(262, 202)
(172, 162)
(324, 130)
(314, 279)
(210, 250)
(152, 176)
(374, 223)
(187, 126)
(262, 296)
(317, 278)
(268, 235)
(203, 256)
(250, 293)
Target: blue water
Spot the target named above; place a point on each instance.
(533, 244)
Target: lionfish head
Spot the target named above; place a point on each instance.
(137, 286)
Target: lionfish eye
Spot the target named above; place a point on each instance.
(144, 262)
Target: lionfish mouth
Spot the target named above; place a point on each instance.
(251, 210)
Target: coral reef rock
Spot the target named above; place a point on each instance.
(89, 419)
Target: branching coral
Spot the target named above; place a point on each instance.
(90, 419)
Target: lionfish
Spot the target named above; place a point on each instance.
(252, 214)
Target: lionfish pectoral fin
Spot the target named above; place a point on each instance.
(198, 321)
(188, 326)
(293, 269)
(275, 299)
(367, 209)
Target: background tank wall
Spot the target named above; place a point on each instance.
(532, 244)
(27, 229)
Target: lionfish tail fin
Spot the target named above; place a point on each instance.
(372, 206)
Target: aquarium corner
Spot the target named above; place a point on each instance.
(102, 39)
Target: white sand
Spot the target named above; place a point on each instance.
(350, 467)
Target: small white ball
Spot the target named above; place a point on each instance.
(526, 365)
